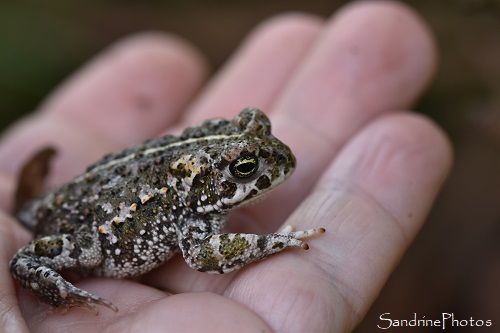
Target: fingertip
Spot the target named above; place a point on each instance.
(423, 41)
(157, 42)
(260, 67)
(284, 23)
(158, 46)
(436, 140)
(387, 12)
(413, 132)
(397, 40)
(400, 161)
(147, 78)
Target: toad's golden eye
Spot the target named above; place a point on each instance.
(244, 166)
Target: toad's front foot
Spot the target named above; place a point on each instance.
(289, 233)
(223, 253)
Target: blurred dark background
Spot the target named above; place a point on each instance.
(453, 266)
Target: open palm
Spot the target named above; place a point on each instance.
(366, 173)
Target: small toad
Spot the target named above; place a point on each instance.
(133, 210)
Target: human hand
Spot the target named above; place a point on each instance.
(365, 173)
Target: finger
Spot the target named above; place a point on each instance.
(373, 57)
(259, 69)
(142, 84)
(12, 236)
(129, 93)
(372, 201)
(189, 312)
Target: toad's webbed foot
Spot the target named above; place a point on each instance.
(35, 275)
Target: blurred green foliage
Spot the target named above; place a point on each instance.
(37, 49)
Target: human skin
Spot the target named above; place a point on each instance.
(335, 90)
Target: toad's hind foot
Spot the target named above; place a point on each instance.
(75, 297)
(51, 287)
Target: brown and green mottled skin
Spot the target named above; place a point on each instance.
(133, 210)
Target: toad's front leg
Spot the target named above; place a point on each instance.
(223, 253)
(35, 266)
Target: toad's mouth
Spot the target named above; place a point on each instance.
(253, 200)
(250, 194)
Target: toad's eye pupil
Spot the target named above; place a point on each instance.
(244, 166)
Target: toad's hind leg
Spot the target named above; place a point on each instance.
(51, 287)
(36, 270)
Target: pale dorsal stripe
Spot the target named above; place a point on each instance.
(154, 150)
